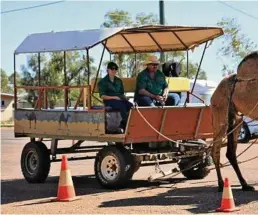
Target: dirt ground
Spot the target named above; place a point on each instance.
(176, 196)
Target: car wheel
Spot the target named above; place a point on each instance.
(244, 135)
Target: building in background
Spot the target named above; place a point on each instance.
(7, 101)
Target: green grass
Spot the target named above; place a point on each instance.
(7, 124)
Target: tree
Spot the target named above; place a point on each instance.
(126, 63)
(52, 74)
(18, 78)
(192, 70)
(4, 83)
(235, 45)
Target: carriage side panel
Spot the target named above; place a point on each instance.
(176, 123)
(59, 123)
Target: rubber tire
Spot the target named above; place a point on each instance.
(135, 165)
(198, 172)
(124, 160)
(247, 136)
(42, 170)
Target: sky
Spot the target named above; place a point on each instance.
(81, 15)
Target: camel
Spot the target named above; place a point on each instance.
(64, 119)
(32, 117)
(235, 96)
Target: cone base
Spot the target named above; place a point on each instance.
(227, 210)
(66, 200)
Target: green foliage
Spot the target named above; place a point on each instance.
(235, 45)
(18, 78)
(4, 83)
(52, 74)
(192, 70)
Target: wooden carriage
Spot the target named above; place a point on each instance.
(173, 134)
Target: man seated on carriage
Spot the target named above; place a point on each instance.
(152, 88)
(111, 90)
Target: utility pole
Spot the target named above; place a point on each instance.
(162, 22)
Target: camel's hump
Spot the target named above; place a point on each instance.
(248, 68)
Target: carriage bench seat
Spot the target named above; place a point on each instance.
(175, 84)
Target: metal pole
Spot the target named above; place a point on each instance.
(65, 82)
(100, 62)
(162, 22)
(14, 83)
(88, 65)
(199, 67)
(135, 63)
(187, 63)
(65, 75)
(39, 67)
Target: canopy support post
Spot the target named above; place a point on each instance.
(88, 65)
(100, 62)
(187, 63)
(39, 78)
(14, 82)
(199, 67)
(135, 63)
(65, 82)
(198, 70)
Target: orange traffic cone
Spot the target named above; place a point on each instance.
(66, 190)
(227, 203)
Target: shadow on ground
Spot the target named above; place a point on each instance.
(20, 190)
(204, 199)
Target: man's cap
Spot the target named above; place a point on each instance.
(112, 65)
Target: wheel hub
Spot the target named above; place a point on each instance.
(31, 162)
(110, 167)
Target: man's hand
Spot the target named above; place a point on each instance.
(116, 98)
(165, 97)
(159, 98)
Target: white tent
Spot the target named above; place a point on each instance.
(203, 89)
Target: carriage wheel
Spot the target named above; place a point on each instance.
(199, 171)
(35, 162)
(113, 167)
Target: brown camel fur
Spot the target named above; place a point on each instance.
(235, 94)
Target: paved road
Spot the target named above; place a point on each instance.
(178, 196)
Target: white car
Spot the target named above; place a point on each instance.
(248, 131)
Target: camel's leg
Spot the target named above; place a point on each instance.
(231, 155)
(216, 158)
(219, 131)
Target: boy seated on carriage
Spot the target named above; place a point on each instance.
(111, 90)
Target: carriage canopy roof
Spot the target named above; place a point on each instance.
(151, 38)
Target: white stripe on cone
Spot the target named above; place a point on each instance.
(227, 193)
(65, 178)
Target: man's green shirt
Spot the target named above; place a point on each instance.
(109, 88)
(154, 86)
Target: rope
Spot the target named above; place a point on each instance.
(153, 127)
(238, 124)
(227, 163)
(208, 148)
